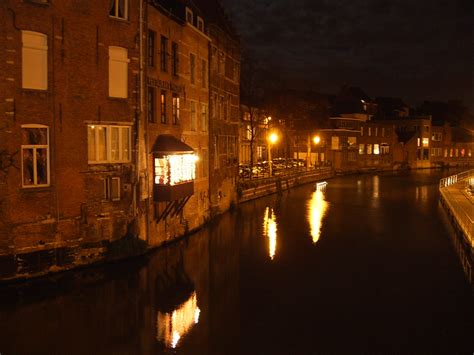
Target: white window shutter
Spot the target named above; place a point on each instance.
(34, 60)
(118, 72)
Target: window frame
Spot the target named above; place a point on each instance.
(116, 15)
(35, 167)
(108, 146)
(204, 119)
(113, 92)
(175, 58)
(151, 104)
(40, 50)
(175, 109)
(151, 47)
(164, 54)
(163, 118)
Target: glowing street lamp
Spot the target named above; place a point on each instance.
(317, 139)
(272, 139)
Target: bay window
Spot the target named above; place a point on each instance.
(108, 144)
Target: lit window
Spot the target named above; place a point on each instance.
(119, 9)
(384, 148)
(203, 117)
(369, 131)
(457, 152)
(351, 141)
(175, 109)
(361, 131)
(376, 149)
(175, 169)
(418, 142)
(426, 142)
(34, 60)
(445, 153)
(376, 131)
(369, 148)
(437, 136)
(335, 143)
(469, 153)
(163, 107)
(108, 144)
(118, 72)
(35, 156)
(361, 149)
(383, 131)
(193, 116)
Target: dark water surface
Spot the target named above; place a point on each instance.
(365, 267)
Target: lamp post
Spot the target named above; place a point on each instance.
(272, 139)
(316, 140)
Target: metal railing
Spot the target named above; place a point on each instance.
(451, 199)
(453, 179)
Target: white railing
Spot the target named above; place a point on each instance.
(453, 179)
(464, 219)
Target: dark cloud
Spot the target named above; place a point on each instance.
(414, 49)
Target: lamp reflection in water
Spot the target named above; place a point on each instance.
(173, 326)
(270, 231)
(317, 209)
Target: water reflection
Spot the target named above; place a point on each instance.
(317, 208)
(172, 326)
(270, 230)
(422, 194)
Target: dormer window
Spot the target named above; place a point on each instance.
(189, 16)
(200, 24)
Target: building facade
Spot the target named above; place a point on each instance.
(68, 91)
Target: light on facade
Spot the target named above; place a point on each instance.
(317, 139)
(175, 169)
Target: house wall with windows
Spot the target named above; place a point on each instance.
(177, 104)
(69, 94)
(224, 58)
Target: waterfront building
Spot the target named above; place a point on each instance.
(68, 88)
(175, 166)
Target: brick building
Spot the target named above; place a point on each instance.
(176, 126)
(68, 88)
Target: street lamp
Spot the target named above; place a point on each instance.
(272, 139)
(316, 140)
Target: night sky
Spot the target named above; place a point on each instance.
(414, 49)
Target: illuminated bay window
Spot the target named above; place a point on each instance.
(108, 144)
(174, 165)
(35, 155)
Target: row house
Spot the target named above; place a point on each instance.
(104, 131)
(69, 99)
(253, 131)
(224, 119)
(175, 168)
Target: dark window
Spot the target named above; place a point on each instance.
(174, 48)
(192, 65)
(175, 109)
(164, 53)
(151, 99)
(119, 9)
(151, 48)
(163, 106)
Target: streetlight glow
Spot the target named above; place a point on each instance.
(316, 139)
(273, 138)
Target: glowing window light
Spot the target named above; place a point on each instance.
(172, 327)
(175, 169)
(426, 142)
(317, 209)
(270, 231)
(376, 149)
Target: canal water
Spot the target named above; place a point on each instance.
(366, 266)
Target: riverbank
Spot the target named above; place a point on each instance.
(458, 203)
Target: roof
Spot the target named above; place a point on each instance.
(166, 143)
